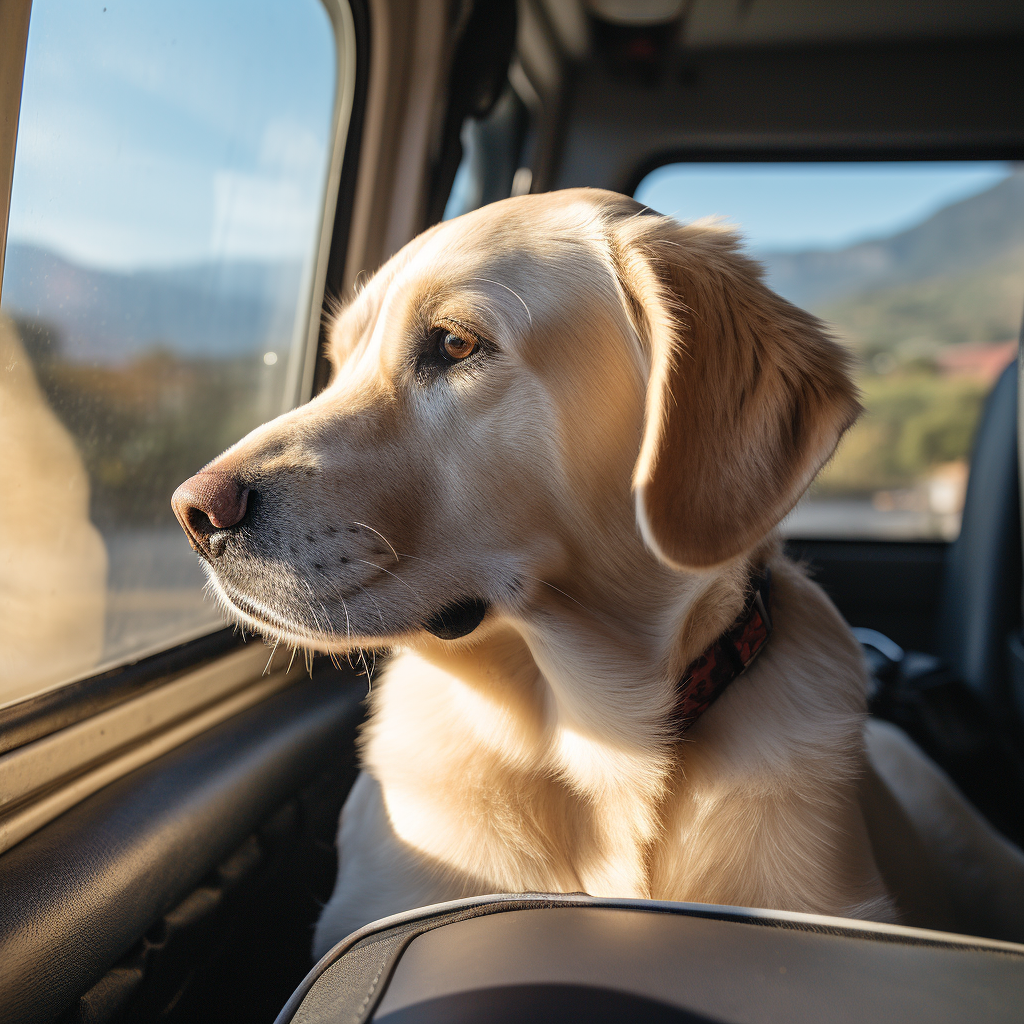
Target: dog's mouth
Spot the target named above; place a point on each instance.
(457, 619)
(453, 621)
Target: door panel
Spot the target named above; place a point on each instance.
(143, 863)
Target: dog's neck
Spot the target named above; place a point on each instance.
(582, 691)
(597, 664)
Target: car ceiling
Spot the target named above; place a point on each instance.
(727, 23)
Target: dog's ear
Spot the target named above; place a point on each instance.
(747, 395)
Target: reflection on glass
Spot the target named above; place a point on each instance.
(919, 268)
(165, 212)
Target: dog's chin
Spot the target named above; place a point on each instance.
(271, 626)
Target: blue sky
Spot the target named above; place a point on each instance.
(801, 206)
(156, 134)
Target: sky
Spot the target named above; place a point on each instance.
(160, 134)
(788, 207)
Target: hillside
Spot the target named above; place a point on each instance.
(155, 371)
(151, 372)
(219, 310)
(955, 241)
(956, 277)
(912, 321)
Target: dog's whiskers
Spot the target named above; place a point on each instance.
(537, 579)
(369, 596)
(348, 624)
(366, 668)
(379, 534)
(273, 652)
(327, 619)
(310, 609)
(432, 562)
(388, 571)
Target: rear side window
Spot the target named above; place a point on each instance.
(165, 219)
(919, 269)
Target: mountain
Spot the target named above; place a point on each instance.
(212, 309)
(913, 321)
(956, 240)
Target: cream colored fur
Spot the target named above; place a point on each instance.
(602, 472)
(469, 792)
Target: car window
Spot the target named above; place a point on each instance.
(166, 214)
(919, 269)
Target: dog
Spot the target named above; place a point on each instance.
(547, 473)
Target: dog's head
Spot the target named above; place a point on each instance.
(553, 393)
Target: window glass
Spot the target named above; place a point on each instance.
(919, 269)
(165, 215)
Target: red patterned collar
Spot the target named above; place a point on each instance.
(707, 676)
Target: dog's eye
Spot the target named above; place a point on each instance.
(457, 347)
(447, 345)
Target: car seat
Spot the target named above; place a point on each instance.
(961, 706)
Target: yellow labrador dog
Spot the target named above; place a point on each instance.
(560, 434)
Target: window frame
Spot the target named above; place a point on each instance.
(14, 21)
(944, 97)
(132, 855)
(796, 154)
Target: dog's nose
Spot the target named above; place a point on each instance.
(206, 503)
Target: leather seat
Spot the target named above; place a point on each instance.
(981, 599)
(965, 708)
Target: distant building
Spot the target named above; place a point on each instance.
(982, 360)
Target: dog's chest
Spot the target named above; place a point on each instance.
(484, 800)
